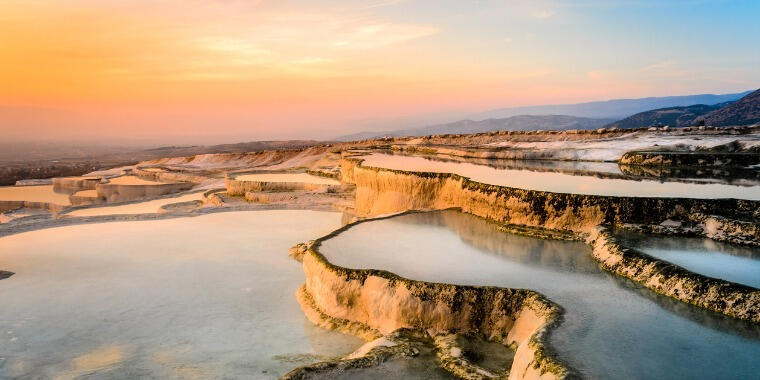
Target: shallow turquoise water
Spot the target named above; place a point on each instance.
(204, 297)
(613, 328)
(705, 256)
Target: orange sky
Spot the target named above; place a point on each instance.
(232, 70)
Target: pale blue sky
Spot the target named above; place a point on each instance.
(319, 68)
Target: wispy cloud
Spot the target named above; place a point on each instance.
(659, 65)
(367, 35)
(543, 13)
(378, 4)
(596, 75)
(312, 61)
(240, 48)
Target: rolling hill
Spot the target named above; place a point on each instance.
(745, 111)
(672, 116)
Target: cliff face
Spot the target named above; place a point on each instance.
(381, 191)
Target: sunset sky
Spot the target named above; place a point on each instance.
(195, 71)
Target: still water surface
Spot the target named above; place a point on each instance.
(37, 193)
(613, 328)
(144, 207)
(562, 182)
(203, 297)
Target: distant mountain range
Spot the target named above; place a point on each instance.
(744, 111)
(612, 109)
(589, 115)
(514, 123)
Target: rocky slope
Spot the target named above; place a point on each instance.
(671, 116)
(745, 111)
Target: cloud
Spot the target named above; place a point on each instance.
(378, 4)
(596, 75)
(659, 65)
(243, 50)
(534, 9)
(368, 35)
(666, 69)
(312, 61)
(543, 13)
(508, 40)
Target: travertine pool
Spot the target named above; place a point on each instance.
(613, 328)
(200, 297)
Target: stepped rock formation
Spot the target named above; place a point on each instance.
(384, 191)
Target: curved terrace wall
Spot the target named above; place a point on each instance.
(382, 191)
(13, 205)
(241, 187)
(167, 176)
(79, 200)
(386, 302)
(75, 182)
(737, 300)
(119, 193)
(700, 159)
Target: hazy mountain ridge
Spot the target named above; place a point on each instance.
(587, 115)
(672, 116)
(514, 123)
(742, 112)
(614, 109)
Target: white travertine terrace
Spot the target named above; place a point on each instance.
(288, 177)
(145, 207)
(132, 180)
